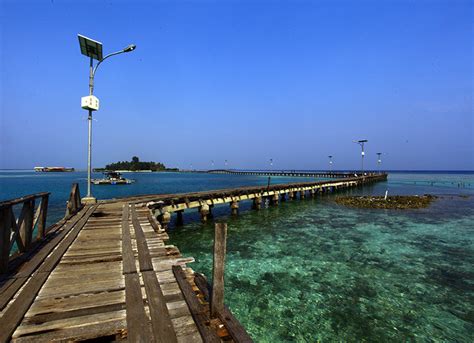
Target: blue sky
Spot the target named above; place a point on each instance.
(245, 81)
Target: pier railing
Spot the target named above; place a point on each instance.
(29, 227)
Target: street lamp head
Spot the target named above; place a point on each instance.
(129, 48)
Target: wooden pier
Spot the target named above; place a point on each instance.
(290, 173)
(105, 270)
(273, 194)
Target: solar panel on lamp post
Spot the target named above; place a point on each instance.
(361, 143)
(93, 49)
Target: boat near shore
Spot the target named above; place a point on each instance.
(112, 178)
(53, 169)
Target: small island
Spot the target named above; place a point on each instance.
(398, 202)
(135, 165)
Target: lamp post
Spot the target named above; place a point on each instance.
(379, 160)
(271, 163)
(93, 50)
(361, 143)
(330, 163)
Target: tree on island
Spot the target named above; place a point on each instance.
(136, 165)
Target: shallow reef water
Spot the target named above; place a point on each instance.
(312, 270)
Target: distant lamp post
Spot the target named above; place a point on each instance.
(271, 163)
(330, 163)
(93, 50)
(379, 160)
(361, 143)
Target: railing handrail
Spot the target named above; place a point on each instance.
(16, 201)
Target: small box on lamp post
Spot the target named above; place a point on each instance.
(90, 102)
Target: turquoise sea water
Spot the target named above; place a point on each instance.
(313, 270)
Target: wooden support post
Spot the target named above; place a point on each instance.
(312, 192)
(302, 194)
(165, 220)
(217, 299)
(283, 197)
(204, 211)
(74, 202)
(274, 199)
(211, 215)
(25, 223)
(234, 205)
(5, 233)
(42, 216)
(291, 195)
(179, 218)
(257, 203)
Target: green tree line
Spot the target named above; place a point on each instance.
(136, 164)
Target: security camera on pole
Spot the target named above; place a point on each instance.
(93, 50)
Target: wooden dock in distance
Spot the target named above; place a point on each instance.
(288, 173)
(163, 206)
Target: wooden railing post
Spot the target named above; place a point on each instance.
(25, 223)
(77, 196)
(74, 202)
(217, 299)
(43, 212)
(5, 233)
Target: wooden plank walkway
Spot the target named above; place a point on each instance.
(107, 273)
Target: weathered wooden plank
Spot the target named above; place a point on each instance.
(45, 305)
(137, 320)
(53, 259)
(197, 311)
(160, 319)
(143, 253)
(112, 329)
(53, 316)
(61, 325)
(127, 251)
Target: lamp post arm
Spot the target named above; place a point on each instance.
(102, 60)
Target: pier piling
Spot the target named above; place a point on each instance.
(217, 298)
(234, 206)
